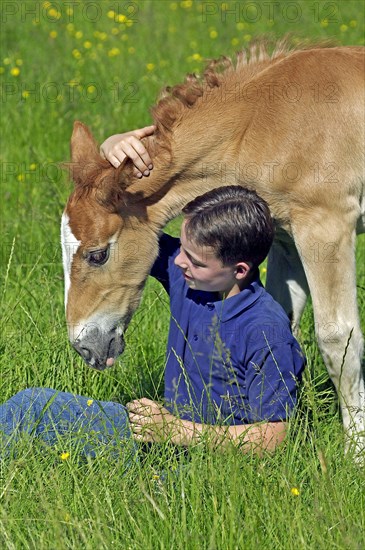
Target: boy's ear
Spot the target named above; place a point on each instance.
(242, 270)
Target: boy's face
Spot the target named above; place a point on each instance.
(203, 270)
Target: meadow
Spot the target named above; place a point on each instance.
(103, 63)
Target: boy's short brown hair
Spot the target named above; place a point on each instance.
(234, 221)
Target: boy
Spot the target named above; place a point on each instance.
(232, 363)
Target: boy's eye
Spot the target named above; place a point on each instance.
(98, 257)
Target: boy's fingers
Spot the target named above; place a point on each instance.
(114, 161)
(143, 154)
(136, 408)
(137, 428)
(138, 419)
(137, 173)
(146, 131)
(147, 402)
(136, 151)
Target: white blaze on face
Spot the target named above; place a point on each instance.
(69, 247)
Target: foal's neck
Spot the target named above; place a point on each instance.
(180, 172)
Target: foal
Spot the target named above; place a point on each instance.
(289, 125)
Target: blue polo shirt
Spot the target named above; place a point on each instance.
(232, 361)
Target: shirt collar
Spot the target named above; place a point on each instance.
(230, 307)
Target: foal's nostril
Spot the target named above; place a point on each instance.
(86, 353)
(111, 348)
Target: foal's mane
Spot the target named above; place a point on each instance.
(174, 101)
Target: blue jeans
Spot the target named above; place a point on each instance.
(49, 414)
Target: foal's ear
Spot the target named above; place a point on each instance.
(83, 145)
(86, 163)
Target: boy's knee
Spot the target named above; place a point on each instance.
(28, 396)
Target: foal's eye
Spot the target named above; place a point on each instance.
(98, 257)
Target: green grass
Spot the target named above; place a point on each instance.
(216, 500)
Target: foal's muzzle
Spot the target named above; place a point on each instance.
(99, 349)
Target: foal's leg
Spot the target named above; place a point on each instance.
(327, 249)
(286, 280)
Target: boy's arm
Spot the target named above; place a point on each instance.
(150, 422)
(118, 147)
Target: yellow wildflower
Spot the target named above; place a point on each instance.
(115, 31)
(121, 18)
(156, 477)
(15, 71)
(131, 50)
(295, 491)
(113, 52)
(247, 37)
(69, 11)
(90, 401)
(353, 23)
(20, 177)
(19, 62)
(79, 34)
(124, 37)
(173, 6)
(70, 27)
(343, 28)
(110, 14)
(240, 26)
(150, 66)
(7, 61)
(65, 456)
(235, 41)
(186, 4)
(87, 44)
(25, 94)
(53, 34)
(33, 166)
(46, 5)
(54, 13)
(324, 23)
(2, 70)
(76, 53)
(213, 34)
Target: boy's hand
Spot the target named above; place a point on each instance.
(150, 421)
(120, 146)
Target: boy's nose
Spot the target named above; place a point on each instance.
(179, 260)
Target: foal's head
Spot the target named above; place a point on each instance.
(108, 249)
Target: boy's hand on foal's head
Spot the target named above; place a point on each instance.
(118, 147)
